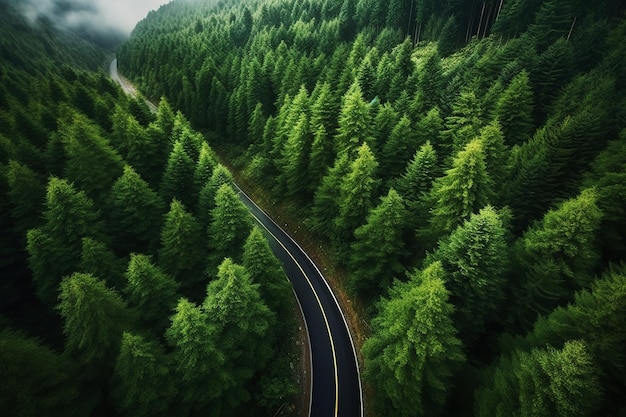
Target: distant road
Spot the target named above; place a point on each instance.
(335, 379)
(126, 86)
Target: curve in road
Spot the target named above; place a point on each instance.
(336, 383)
(335, 379)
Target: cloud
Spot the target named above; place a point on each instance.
(97, 16)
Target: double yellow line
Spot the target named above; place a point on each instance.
(319, 302)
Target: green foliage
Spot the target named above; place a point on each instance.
(379, 246)
(135, 213)
(177, 181)
(35, 380)
(411, 356)
(182, 252)
(94, 317)
(354, 122)
(149, 290)
(230, 226)
(543, 382)
(143, 383)
(475, 260)
(465, 189)
(514, 110)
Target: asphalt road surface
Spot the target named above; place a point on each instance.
(335, 379)
(336, 385)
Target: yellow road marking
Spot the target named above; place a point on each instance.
(319, 302)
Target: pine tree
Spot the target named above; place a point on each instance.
(398, 149)
(384, 122)
(356, 193)
(544, 382)
(177, 181)
(325, 205)
(100, 261)
(199, 361)
(431, 82)
(149, 290)
(26, 195)
(135, 213)
(379, 246)
(420, 174)
(206, 198)
(320, 158)
(266, 271)
(182, 251)
(465, 122)
(294, 159)
(354, 122)
(36, 381)
(207, 162)
(495, 154)
(514, 110)
(230, 226)
(94, 318)
(475, 259)
(234, 306)
(92, 164)
(143, 384)
(465, 189)
(411, 356)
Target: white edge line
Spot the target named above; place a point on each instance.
(345, 322)
(356, 358)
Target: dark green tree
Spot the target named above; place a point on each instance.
(514, 110)
(397, 149)
(92, 165)
(100, 261)
(177, 181)
(26, 195)
(135, 213)
(295, 158)
(413, 351)
(182, 250)
(143, 384)
(206, 198)
(36, 380)
(150, 290)
(419, 175)
(325, 205)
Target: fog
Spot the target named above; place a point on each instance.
(106, 21)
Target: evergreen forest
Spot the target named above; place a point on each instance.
(463, 163)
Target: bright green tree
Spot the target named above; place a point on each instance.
(143, 384)
(235, 308)
(355, 122)
(295, 158)
(356, 193)
(475, 259)
(543, 382)
(386, 119)
(94, 318)
(150, 290)
(199, 361)
(465, 189)
(266, 271)
(413, 351)
(230, 226)
(206, 197)
(465, 122)
(379, 246)
(325, 205)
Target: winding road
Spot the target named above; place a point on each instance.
(335, 380)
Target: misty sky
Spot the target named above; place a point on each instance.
(97, 15)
